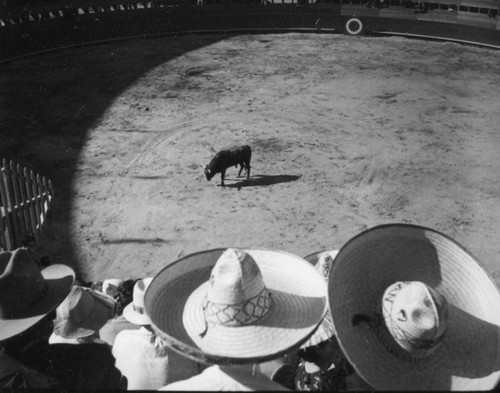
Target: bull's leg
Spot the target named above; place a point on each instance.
(222, 175)
(242, 165)
(248, 171)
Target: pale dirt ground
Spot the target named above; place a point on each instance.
(347, 133)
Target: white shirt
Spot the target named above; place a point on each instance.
(234, 378)
(144, 365)
(114, 326)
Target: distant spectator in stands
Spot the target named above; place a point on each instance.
(235, 309)
(28, 298)
(140, 354)
(115, 325)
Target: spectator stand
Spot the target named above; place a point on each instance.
(24, 201)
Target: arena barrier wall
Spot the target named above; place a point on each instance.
(35, 34)
(24, 201)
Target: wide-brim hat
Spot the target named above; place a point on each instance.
(322, 261)
(135, 312)
(83, 313)
(175, 297)
(467, 357)
(30, 293)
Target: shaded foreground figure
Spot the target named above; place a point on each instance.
(140, 354)
(234, 309)
(227, 158)
(322, 365)
(115, 325)
(414, 310)
(80, 316)
(79, 359)
(28, 298)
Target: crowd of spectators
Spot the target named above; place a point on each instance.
(246, 320)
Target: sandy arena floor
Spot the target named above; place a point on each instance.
(346, 132)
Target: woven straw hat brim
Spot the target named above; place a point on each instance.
(468, 357)
(132, 316)
(59, 280)
(173, 302)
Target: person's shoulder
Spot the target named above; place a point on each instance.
(129, 338)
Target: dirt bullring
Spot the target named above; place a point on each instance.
(347, 133)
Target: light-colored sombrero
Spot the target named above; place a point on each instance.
(414, 310)
(27, 293)
(323, 262)
(231, 306)
(135, 312)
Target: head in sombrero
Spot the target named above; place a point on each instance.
(414, 310)
(234, 306)
(28, 294)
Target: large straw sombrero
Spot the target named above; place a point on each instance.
(230, 306)
(27, 293)
(414, 310)
(323, 262)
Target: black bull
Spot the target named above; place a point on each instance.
(226, 158)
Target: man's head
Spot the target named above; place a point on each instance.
(28, 294)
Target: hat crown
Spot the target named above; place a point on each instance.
(139, 292)
(236, 293)
(235, 278)
(415, 315)
(82, 313)
(76, 307)
(21, 283)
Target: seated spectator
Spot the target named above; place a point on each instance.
(28, 298)
(125, 295)
(281, 370)
(89, 365)
(115, 325)
(322, 364)
(80, 316)
(234, 309)
(414, 310)
(140, 355)
(86, 366)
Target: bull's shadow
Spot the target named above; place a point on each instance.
(262, 180)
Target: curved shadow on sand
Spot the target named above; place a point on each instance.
(43, 129)
(263, 180)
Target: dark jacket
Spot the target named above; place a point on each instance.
(85, 367)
